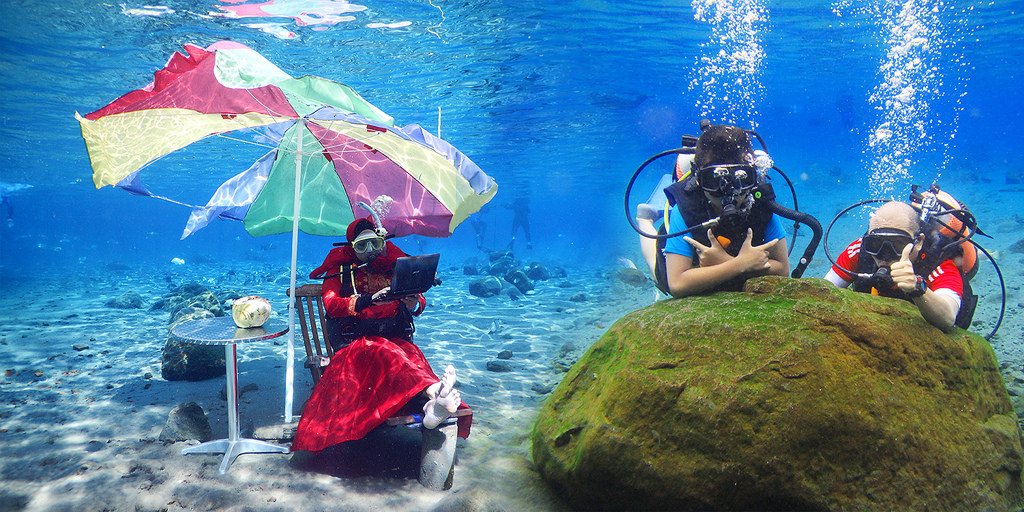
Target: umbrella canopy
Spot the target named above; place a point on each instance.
(348, 150)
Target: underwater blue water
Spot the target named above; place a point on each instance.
(558, 101)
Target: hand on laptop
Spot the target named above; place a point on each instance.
(377, 297)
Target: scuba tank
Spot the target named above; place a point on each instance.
(733, 215)
(949, 229)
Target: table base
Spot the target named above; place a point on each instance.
(232, 449)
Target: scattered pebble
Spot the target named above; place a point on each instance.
(499, 366)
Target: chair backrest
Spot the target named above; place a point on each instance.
(313, 318)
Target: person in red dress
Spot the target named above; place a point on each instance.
(376, 369)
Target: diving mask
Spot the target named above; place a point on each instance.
(367, 242)
(724, 179)
(886, 244)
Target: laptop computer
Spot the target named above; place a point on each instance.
(413, 275)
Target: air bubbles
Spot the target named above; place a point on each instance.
(881, 134)
(727, 82)
(917, 71)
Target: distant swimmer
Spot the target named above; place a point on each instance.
(480, 231)
(7, 211)
(520, 220)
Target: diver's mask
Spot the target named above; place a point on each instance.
(368, 245)
(732, 184)
(885, 244)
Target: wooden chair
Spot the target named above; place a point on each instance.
(437, 458)
(309, 306)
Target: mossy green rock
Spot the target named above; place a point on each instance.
(790, 395)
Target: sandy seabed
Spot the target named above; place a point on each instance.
(82, 403)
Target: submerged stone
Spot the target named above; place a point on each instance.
(184, 422)
(631, 276)
(127, 300)
(791, 395)
(485, 287)
(180, 360)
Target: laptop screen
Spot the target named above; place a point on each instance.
(414, 274)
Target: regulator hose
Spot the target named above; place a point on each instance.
(802, 218)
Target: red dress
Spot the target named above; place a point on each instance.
(372, 378)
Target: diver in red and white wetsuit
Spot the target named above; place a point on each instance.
(892, 246)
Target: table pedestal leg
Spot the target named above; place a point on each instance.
(234, 445)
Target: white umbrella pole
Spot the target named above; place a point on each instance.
(289, 372)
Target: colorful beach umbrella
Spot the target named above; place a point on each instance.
(348, 150)
(328, 150)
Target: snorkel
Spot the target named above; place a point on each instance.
(380, 207)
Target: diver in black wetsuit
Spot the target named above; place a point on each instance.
(520, 219)
(7, 211)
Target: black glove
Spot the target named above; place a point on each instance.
(363, 301)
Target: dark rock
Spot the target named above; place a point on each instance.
(519, 280)
(11, 501)
(485, 287)
(557, 272)
(184, 422)
(1018, 246)
(579, 297)
(537, 272)
(542, 389)
(189, 361)
(190, 295)
(511, 291)
(499, 366)
(790, 395)
(80, 347)
(470, 270)
(501, 267)
(631, 276)
(127, 300)
(505, 354)
(565, 284)
(500, 255)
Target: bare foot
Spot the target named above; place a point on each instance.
(441, 387)
(441, 408)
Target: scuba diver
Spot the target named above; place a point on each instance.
(376, 369)
(893, 243)
(920, 251)
(723, 198)
(520, 207)
(7, 211)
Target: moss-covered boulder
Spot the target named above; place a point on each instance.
(790, 395)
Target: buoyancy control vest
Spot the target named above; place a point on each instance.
(344, 330)
(689, 199)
